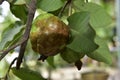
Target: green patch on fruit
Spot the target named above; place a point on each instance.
(38, 18)
(43, 16)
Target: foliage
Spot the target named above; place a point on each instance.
(24, 74)
(84, 20)
(84, 34)
(11, 35)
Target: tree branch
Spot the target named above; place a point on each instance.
(32, 9)
(5, 52)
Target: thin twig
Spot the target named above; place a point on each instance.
(6, 77)
(32, 9)
(5, 52)
(70, 10)
(63, 8)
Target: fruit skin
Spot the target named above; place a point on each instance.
(49, 35)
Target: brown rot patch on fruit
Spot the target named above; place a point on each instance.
(50, 35)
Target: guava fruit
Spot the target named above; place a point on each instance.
(49, 35)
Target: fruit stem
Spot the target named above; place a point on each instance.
(63, 8)
(42, 57)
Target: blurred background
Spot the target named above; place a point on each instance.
(62, 70)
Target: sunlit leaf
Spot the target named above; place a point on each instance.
(3, 67)
(98, 16)
(9, 34)
(102, 53)
(19, 11)
(50, 5)
(27, 74)
(15, 39)
(19, 2)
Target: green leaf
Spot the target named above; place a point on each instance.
(15, 39)
(83, 44)
(50, 5)
(82, 32)
(20, 11)
(77, 4)
(98, 16)
(79, 19)
(71, 56)
(50, 61)
(102, 53)
(19, 2)
(27, 74)
(9, 34)
(28, 1)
